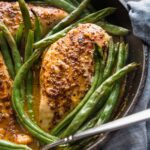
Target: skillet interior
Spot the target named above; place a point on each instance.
(135, 81)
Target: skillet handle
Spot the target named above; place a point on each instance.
(114, 125)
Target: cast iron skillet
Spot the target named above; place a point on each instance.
(135, 81)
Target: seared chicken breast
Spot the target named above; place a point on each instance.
(66, 72)
(10, 14)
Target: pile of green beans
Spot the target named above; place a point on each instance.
(103, 80)
(105, 113)
(61, 4)
(107, 110)
(113, 29)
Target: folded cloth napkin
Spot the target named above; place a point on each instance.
(136, 137)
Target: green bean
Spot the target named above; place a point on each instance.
(70, 116)
(27, 22)
(113, 29)
(38, 2)
(75, 2)
(90, 124)
(19, 34)
(29, 80)
(29, 45)
(100, 51)
(90, 7)
(61, 4)
(70, 18)
(38, 28)
(106, 70)
(122, 56)
(5, 145)
(110, 61)
(94, 17)
(12, 44)
(72, 2)
(101, 91)
(27, 26)
(107, 110)
(127, 50)
(6, 55)
(25, 15)
(102, 65)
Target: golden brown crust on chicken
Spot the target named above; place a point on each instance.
(10, 14)
(66, 72)
(5, 81)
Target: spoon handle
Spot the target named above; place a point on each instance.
(111, 126)
(116, 124)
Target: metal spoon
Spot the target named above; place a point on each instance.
(111, 126)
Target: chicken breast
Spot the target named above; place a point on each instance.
(49, 16)
(66, 72)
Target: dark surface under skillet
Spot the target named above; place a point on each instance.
(135, 81)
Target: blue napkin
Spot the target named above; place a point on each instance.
(136, 137)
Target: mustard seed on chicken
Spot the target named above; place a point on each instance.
(66, 72)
